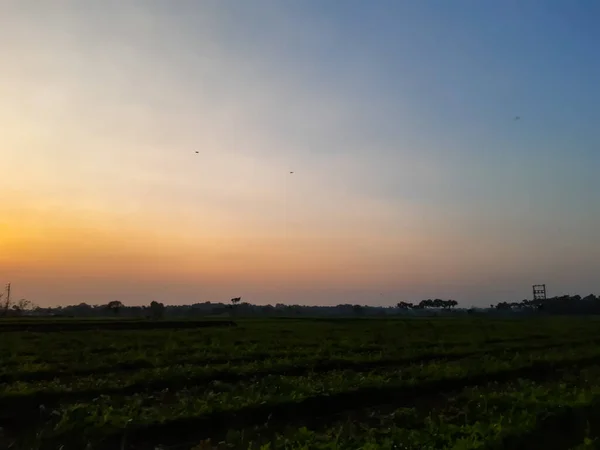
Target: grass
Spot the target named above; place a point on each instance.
(301, 383)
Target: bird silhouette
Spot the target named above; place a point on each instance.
(197, 151)
(291, 172)
(517, 118)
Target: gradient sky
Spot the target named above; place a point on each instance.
(412, 178)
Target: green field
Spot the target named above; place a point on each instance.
(421, 383)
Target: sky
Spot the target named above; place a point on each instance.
(412, 179)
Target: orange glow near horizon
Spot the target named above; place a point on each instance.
(42, 244)
(80, 247)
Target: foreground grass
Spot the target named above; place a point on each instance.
(286, 384)
(520, 415)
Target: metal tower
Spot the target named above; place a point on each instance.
(539, 292)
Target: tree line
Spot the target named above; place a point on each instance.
(425, 304)
(236, 307)
(564, 304)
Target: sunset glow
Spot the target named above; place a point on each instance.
(411, 178)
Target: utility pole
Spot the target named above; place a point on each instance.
(6, 304)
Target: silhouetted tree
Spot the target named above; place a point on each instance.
(22, 305)
(9, 307)
(157, 310)
(423, 304)
(451, 304)
(267, 309)
(404, 305)
(114, 306)
(503, 306)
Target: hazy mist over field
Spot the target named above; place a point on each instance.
(439, 149)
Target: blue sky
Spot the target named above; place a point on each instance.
(412, 177)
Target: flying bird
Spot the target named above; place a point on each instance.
(517, 118)
(197, 151)
(291, 172)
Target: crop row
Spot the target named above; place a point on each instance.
(81, 388)
(62, 351)
(195, 411)
(301, 358)
(58, 355)
(285, 334)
